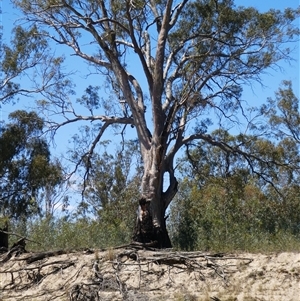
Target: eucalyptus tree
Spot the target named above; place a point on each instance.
(112, 181)
(110, 195)
(272, 162)
(284, 113)
(25, 165)
(228, 200)
(170, 67)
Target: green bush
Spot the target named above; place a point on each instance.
(112, 227)
(221, 218)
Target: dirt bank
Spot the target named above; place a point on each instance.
(129, 274)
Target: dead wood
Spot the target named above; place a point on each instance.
(16, 249)
(39, 256)
(184, 261)
(139, 246)
(20, 243)
(95, 279)
(84, 292)
(26, 277)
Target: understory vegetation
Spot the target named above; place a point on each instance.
(211, 219)
(216, 219)
(221, 205)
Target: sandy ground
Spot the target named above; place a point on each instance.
(128, 274)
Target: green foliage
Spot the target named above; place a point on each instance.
(283, 112)
(90, 99)
(27, 49)
(25, 44)
(25, 165)
(226, 215)
(107, 212)
(231, 203)
(111, 180)
(204, 54)
(114, 227)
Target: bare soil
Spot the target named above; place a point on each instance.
(130, 274)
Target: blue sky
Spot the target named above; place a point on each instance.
(290, 71)
(255, 93)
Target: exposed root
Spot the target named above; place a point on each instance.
(98, 277)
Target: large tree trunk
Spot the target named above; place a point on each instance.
(151, 230)
(156, 202)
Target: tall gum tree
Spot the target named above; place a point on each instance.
(194, 57)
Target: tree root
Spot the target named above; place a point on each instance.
(99, 275)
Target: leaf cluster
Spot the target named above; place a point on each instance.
(25, 164)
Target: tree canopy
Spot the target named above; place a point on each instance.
(172, 70)
(25, 165)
